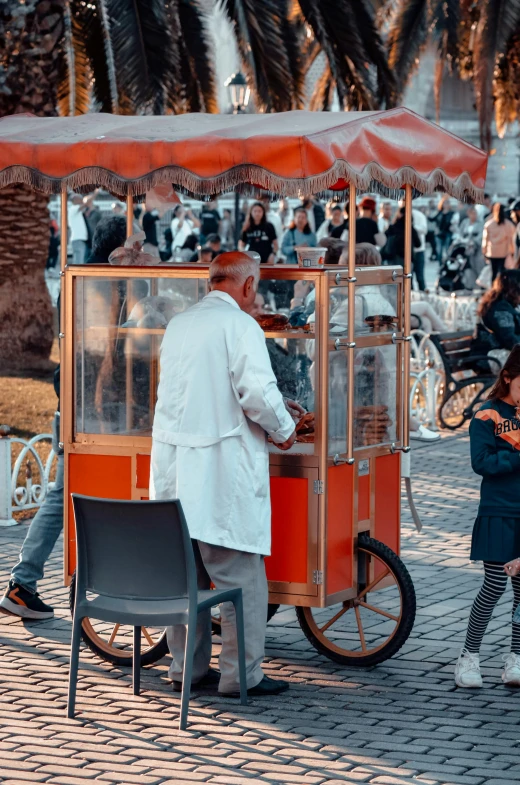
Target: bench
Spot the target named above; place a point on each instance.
(468, 376)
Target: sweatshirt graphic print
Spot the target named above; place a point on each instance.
(495, 455)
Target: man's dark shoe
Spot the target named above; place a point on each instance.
(266, 687)
(24, 603)
(211, 678)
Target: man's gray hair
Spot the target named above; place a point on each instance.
(238, 269)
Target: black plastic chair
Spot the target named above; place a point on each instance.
(137, 557)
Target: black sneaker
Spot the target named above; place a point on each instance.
(24, 603)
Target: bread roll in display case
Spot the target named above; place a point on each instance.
(335, 494)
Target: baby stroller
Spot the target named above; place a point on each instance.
(455, 273)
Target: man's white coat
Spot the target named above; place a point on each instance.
(217, 399)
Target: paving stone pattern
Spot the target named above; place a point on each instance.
(401, 722)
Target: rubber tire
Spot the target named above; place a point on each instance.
(271, 610)
(149, 657)
(405, 626)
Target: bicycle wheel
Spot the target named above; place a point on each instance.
(460, 404)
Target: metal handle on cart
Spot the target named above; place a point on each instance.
(339, 344)
(347, 279)
(405, 338)
(395, 448)
(400, 274)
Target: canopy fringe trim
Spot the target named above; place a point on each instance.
(370, 179)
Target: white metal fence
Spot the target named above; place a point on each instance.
(24, 479)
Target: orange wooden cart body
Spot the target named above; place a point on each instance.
(295, 561)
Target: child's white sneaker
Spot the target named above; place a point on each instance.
(467, 670)
(511, 674)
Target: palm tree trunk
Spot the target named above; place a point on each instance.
(26, 316)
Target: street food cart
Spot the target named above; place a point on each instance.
(336, 493)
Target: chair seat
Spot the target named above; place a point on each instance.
(149, 613)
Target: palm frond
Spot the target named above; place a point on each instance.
(323, 94)
(440, 66)
(197, 63)
(333, 23)
(498, 20)
(446, 21)
(142, 48)
(261, 35)
(74, 87)
(407, 38)
(294, 35)
(507, 85)
(374, 48)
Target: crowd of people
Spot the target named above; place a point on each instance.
(487, 233)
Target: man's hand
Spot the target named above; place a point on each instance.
(289, 443)
(295, 410)
(512, 568)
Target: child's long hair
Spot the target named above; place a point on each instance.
(510, 370)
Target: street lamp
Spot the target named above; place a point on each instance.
(238, 92)
(239, 96)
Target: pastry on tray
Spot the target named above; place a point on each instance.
(273, 321)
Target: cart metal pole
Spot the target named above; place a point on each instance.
(63, 296)
(129, 215)
(351, 326)
(407, 291)
(129, 344)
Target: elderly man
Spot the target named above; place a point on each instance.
(217, 400)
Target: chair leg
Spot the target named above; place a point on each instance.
(189, 652)
(136, 661)
(74, 662)
(241, 647)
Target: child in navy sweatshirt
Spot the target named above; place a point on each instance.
(495, 455)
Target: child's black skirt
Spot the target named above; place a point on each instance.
(495, 539)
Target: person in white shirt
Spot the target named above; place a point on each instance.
(217, 401)
(183, 224)
(78, 230)
(385, 217)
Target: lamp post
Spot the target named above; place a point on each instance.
(239, 94)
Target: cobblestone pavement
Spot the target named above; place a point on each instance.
(400, 722)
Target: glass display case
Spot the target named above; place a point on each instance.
(342, 474)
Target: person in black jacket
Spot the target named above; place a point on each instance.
(495, 455)
(393, 251)
(497, 309)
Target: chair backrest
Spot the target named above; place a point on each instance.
(133, 549)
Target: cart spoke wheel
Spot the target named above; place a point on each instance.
(118, 639)
(113, 634)
(360, 629)
(379, 610)
(372, 626)
(114, 642)
(334, 619)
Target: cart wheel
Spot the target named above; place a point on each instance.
(460, 406)
(113, 642)
(215, 617)
(366, 630)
